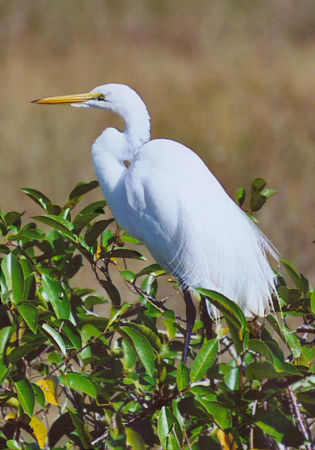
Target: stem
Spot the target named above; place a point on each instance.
(299, 417)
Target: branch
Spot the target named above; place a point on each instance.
(299, 417)
(305, 329)
(163, 401)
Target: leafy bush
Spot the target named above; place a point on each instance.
(72, 378)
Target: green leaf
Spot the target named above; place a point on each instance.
(220, 413)
(142, 346)
(53, 292)
(287, 335)
(96, 230)
(232, 379)
(182, 378)
(170, 325)
(92, 300)
(38, 197)
(26, 395)
(130, 356)
(107, 237)
(134, 439)
(277, 425)
(27, 235)
(56, 337)
(257, 199)
(79, 383)
(71, 332)
(82, 188)
(29, 279)
(123, 252)
(128, 275)
(127, 238)
(268, 192)
(154, 269)
(307, 401)
(240, 196)
(292, 341)
(235, 334)
(204, 360)
(12, 217)
(87, 214)
(229, 308)
(308, 353)
(95, 207)
(24, 350)
(173, 441)
(112, 291)
(30, 314)
(270, 351)
(258, 184)
(4, 249)
(3, 372)
(115, 313)
(81, 428)
(39, 395)
(312, 303)
(13, 276)
(58, 223)
(13, 445)
(62, 426)
(5, 335)
(259, 370)
(149, 334)
(294, 274)
(166, 422)
(89, 331)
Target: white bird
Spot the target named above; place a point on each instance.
(167, 197)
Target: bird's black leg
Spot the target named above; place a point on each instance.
(190, 317)
(206, 318)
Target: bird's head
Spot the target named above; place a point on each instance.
(118, 98)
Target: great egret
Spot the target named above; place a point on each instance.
(167, 197)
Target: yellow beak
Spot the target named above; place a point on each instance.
(66, 99)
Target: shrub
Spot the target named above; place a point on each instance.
(72, 378)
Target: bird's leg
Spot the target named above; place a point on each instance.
(206, 318)
(191, 317)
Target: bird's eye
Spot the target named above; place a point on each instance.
(101, 97)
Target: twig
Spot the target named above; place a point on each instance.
(163, 401)
(100, 438)
(299, 417)
(68, 358)
(306, 329)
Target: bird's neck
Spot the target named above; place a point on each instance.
(137, 131)
(113, 148)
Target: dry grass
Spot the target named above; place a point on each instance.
(234, 80)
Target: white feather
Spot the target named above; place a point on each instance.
(171, 201)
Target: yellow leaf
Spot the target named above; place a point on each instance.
(40, 431)
(49, 388)
(226, 440)
(114, 260)
(10, 416)
(134, 440)
(99, 251)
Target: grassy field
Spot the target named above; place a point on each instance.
(235, 80)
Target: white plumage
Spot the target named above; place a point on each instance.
(170, 200)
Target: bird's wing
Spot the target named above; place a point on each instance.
(170, 198)
(193, 228)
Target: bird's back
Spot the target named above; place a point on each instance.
(194, 229)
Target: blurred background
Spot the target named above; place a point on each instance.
(233, 79)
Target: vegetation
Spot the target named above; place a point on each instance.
(75, 378)
(232, 79)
